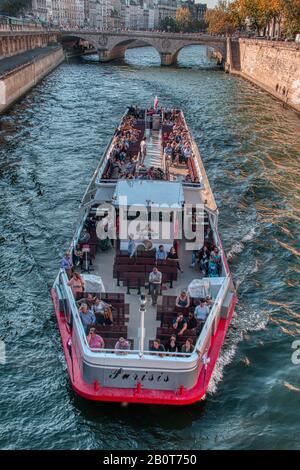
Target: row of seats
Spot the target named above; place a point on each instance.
(135, 273)
(120, 310)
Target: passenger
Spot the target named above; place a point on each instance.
(84, 236)
(208, 237)
(209, 301)
(201, 312)
(173, 255)
(155, 279)
(188, 346)
(76, 283)
(89, 300)
(87, 317)
(104, 310)
(131, 246)
(172, 345)
(67, 263)
(212, 269)
(180, 324)
(143, 149)
(215, 258)
(122, 344)
(161, 255)
(157, 346)
(191, 321)
(78, 256)
(204, 256)
(195, 258)
(168, 153)
(95, 341)
(183, 300)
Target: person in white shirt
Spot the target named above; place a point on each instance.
(201, 312)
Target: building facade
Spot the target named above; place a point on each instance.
(39, 9)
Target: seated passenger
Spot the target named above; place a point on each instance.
(201, 312)
(180, 324)
(76, 283)
(87, 317)
(89, 300)
(157, 346)
(191, 321)
(172, 345)
(173, 255)
(104, 310)
(95, 341)
(161, 255)
(84, 236)
(122, 344)
(209, 301)
(183, 300)
(188, 346)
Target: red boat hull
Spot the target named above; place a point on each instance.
(139, 395)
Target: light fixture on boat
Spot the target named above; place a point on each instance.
(143, 302)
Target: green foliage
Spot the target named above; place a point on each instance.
(14, 7)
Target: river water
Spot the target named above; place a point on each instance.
(50, 143)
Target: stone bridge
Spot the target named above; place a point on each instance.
(112, 45)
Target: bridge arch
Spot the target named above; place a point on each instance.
(118, 47)
(220, 53)
(73, 41)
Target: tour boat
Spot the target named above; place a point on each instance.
(143, 196)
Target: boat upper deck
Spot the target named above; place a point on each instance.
(154, 146)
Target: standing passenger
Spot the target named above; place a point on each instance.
(155, 279)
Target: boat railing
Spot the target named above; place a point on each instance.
(122, 352)
(119, 352)
(207, 328)
(91, 184)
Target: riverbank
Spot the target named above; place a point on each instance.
(273, 66)
(21, 72)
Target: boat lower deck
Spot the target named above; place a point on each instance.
(103, 267)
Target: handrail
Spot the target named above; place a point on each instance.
(95, 174)
(70, 297)
(213, 313)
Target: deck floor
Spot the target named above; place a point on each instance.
(103, 267)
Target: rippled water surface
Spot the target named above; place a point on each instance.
(50, 143)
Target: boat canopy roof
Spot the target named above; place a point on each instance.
(145, 192)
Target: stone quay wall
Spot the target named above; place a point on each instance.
(272, 65)
(15, 83)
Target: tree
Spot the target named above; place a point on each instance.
(257, 14)
(184, 18)
(220, 19)
(169, 24)
(14, 7)
(291, 16)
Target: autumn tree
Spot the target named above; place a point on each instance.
(291, 15)
(184, 18)
(220, 19)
